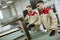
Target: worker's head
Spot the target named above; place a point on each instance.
(40, 5)
(29, 8)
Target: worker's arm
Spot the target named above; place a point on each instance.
(35, 19)
(26, 18)
(38, 22)
(53, 18)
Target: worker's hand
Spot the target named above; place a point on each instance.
(31, 25)
(26, 23)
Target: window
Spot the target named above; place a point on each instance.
(1, 16)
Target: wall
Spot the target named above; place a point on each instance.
(19, 6)
(57, 5)
(6, 13)
(12, 9)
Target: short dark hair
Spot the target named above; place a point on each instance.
(28, 6)
(40, 2)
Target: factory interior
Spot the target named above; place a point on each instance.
(12, 24)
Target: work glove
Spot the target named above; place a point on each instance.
(26, 23)
(31, 25)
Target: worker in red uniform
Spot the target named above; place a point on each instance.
(48, 18)
(32, 18)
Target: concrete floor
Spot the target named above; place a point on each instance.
(42, 36)
(35, 36)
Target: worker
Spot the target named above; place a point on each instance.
(48, 18)
(32, 18)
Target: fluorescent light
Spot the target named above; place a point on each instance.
(5, 7)
(9, 2)
(1, 15)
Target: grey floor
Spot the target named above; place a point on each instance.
(34, 35)
(42, 36)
